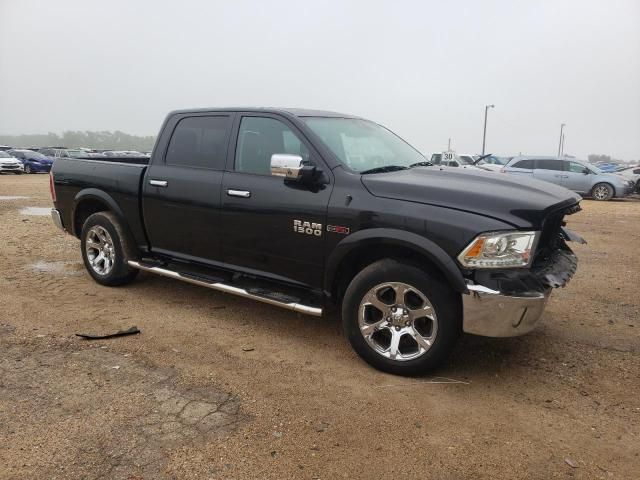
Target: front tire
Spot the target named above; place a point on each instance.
(27, 169)
(106, 248)
(602, 192)
(400, 319)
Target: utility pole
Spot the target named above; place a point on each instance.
(484, 133)
(562, 146)
(449, 145)
(560, 141)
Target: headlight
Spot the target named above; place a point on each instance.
(499, 250)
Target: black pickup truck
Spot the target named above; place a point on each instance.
(314, 211)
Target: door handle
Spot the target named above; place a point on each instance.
(158, 183)
(239, 193)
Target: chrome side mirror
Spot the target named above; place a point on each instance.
(286, 165)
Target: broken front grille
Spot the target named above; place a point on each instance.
(550, 233)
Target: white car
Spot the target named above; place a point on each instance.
(10, 164)
(466, 160)
(633, 174)
(462, 160)
(493, 162)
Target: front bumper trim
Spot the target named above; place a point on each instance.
(490, 313)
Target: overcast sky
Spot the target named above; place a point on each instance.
(425, 69)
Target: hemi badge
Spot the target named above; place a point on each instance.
(338, 229)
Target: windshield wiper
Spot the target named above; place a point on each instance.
(386, 168)
(426, 163)
(479, 159)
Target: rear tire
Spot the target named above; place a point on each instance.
(400, 319)
(106, 247)
(602, 192)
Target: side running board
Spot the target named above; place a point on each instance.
(223, 287)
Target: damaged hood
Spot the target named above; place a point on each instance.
(522, 202)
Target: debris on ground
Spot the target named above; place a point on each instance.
(571, 462)
(121, 333)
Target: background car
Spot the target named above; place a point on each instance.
(463, 160)
(33, 162)
(10, 164)
(494, 162)
(633, 174)
(607, 167)
(581, 177)
(63, 152)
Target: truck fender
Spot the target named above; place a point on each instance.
(388, 236)
(100, 196)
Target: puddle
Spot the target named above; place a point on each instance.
(11, 197)
(56, 268)
(38, 211)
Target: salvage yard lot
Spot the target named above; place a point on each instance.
(221, 387)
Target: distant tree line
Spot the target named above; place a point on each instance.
(593, 158)
(101, 140)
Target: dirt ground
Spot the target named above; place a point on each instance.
(217, 386)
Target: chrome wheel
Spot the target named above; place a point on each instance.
(397, 321)
(601, 192)
(100, 250)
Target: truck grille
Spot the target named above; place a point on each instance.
(551, 229)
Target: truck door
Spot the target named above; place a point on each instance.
(181, 191)
(270, 226)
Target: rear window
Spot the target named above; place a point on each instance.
(528, 164)
(199, 142)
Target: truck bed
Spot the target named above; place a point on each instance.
(120, 179)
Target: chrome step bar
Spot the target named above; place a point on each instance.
(223, 287)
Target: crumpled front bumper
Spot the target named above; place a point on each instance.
(490, 313)
(493, 312)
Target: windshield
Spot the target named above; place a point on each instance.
(75, 153)
(362, 145)
(4, 155)
(35, 155)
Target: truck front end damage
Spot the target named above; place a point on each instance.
(510, 302)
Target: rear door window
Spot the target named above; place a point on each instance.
(199, 142)
(544, 164)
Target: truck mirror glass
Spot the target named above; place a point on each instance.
(287, 166)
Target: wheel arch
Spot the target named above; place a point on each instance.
(90, 201)
(367, 246)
